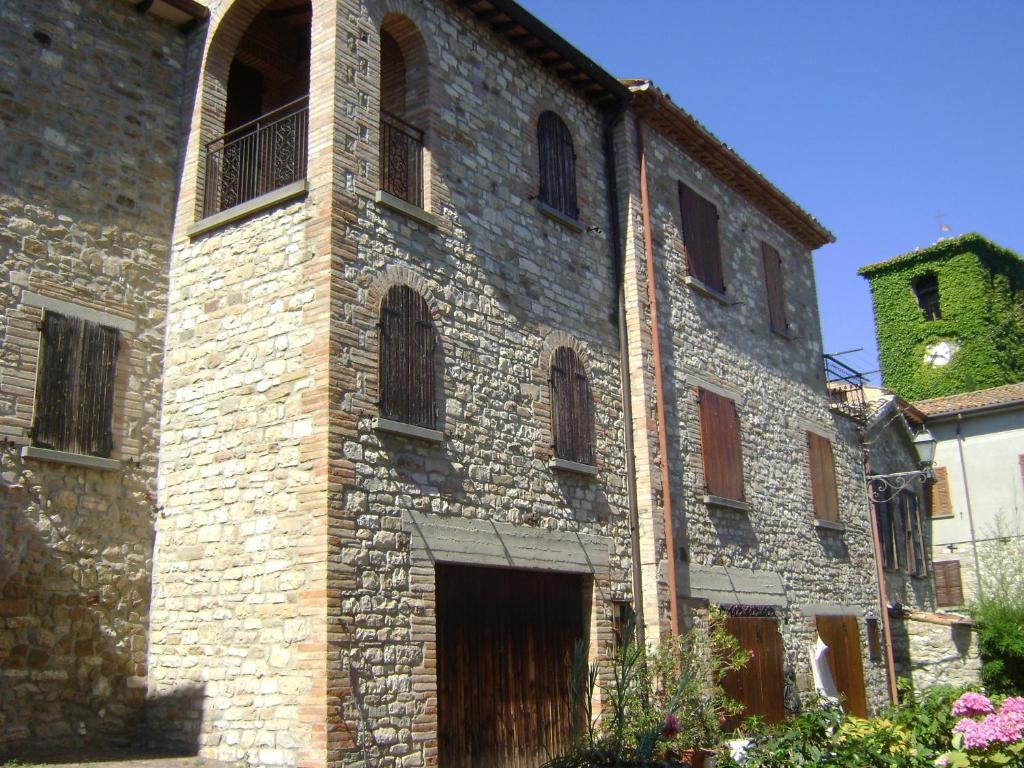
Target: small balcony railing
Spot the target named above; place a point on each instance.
(401, 159)
(258, 157)
(845, 389)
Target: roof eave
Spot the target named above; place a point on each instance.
(657, 109)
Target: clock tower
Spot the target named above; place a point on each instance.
(949, 318)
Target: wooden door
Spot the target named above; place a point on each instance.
(760, 685)
(841, 635)
(504, 647)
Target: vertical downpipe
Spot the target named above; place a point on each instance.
(967, 498)
(659, 387)
(615, 233)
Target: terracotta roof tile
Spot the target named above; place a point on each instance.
(938, 406)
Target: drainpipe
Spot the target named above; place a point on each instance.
(967, 498)
(883, 594)
(659, 387)
(614, 117)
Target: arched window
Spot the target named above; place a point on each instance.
(557, 165)
(403, 110)
(926, 291)
(572, 408)
(406, 361)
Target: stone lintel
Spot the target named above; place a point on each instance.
(721, 501)
(830, 525)
(701, 287)
(414, 212)
(77, 310)
(564, 465)
(831, 609)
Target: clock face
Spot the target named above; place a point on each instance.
(940, 353)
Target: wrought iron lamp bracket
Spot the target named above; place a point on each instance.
(885, 488)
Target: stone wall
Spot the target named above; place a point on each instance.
(726, 345)
(90, 104)
(936, 650)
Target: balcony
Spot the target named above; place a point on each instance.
(401, 159)
(258, 157)
(845, 388)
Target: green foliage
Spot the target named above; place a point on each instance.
(981, 289)
(1008, 756)
(660, 701)
(998, 611)
(912, 735)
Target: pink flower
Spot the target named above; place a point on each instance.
(972, 704)
(671, 727)
(992, 729)
(1012, 704)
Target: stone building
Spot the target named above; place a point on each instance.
(416, 347)
(948, 318)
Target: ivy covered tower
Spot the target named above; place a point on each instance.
(949, 318)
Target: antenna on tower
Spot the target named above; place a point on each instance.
(940, 218)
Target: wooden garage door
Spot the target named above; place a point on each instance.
(759, 686)
(504, 647)
(841, 635)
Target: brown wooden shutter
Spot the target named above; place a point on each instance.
(572, 408)
(406, 359)
(940, 504)
(841, 635)
(720, 446)
(823, 478)
(883, 513)
(75, 391)
(774, 285)
(700, 238)
(920, 556)
(759, 685)
(949, 589)
(557, 165)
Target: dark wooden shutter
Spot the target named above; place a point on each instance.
(949, 590)
(720, 446)
(406, 362)
(75, 390)
(883, 513)
(841, 635)
(774, 285)
(557, 165)
(572, 408)
(919, 555)
(823, 478)
(940, 504)
(700, 238)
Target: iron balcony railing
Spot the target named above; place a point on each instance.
(401, 159)
(257, 157)
(845, 389)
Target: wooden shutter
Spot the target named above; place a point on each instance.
(557, 165)
(841, 635)
(823, 478)
(572, 408)
(406, 359)
(940, 504)
(720, 446)
(700, 238)
(949, 590)
(75, 390)
(774, 285)
(883, 513)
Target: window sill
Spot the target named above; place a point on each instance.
(248, 208)
(830, 525)
(414, 212)
(564, 465)
(724, 503)
(784, 333)
(701, 287)
(556, 215)
(408, 430)
(942, 517)
(64, 457)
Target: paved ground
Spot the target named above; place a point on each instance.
(117, 761)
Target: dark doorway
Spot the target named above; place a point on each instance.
(504, 646)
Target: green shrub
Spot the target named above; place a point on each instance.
(999, 610)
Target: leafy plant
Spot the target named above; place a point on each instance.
(998, 611)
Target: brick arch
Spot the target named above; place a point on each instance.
(556, 339)
(542, 403)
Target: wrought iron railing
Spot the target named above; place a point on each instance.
(257, 157)
(401, 159)
(845, 388)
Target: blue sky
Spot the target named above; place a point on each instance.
(876, 117)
